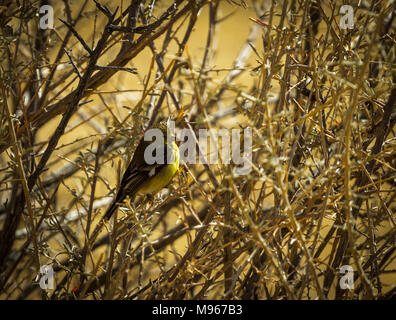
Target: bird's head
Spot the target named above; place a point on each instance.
(166, 128)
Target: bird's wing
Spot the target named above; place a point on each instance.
(137, 173)
(138, 167)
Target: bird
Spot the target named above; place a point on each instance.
(144, 178)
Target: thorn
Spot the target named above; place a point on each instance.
(84, 44)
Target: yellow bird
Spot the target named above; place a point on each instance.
(144, 178)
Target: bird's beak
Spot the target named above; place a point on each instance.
(170, 128)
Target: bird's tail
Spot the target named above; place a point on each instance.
(113, 208)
